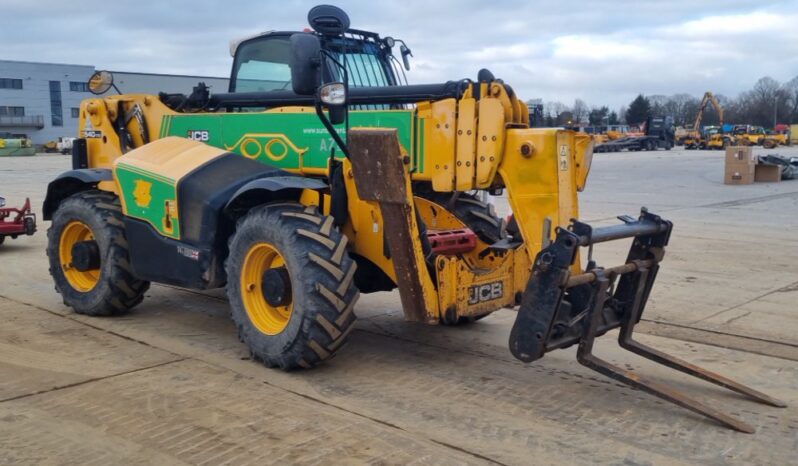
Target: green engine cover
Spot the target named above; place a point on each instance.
(284, 140)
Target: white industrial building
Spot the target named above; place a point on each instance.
(42, 100)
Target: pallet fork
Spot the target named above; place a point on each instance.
(559, 309)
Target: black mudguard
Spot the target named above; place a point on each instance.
(71, 182)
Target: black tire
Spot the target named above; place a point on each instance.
(451, 321)
(479, 216)
(322, 288)
(2, 239)
(30, 226)
(117, 289)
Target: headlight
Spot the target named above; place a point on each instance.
(333, 94)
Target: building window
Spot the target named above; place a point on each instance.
(10, 83)
(78, 87)
(56, 112)
(75, 112)
(12, 111)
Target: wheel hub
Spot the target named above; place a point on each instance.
(86, 255)
(266, 289)
(276, 286)
(82, 272)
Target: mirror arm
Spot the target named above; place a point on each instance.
(320, 112)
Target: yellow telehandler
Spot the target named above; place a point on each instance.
(321, 175)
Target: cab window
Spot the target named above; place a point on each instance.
(262, 65)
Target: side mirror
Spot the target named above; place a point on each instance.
(100, 82)
(405, 53)
(305, 63)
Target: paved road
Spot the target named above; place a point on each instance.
(170, 383)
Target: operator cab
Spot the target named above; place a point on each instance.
(261, 63)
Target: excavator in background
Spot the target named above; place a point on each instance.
(696, 139)
(321, 175)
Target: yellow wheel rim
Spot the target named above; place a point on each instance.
(269, 319)
(75, 232)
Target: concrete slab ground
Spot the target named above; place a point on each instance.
(171, 384)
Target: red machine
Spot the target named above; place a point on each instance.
(15, 222)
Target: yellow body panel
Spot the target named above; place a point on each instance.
(465, 170)
(97, 116)
(165, 162)
(467, 144)
(171, 157)
(490, 139)
(439, 142)
(543, 185)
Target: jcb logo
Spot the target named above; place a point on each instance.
(487, 292)
(198, 135)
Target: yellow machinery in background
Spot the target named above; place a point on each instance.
(694, 139)
(748, 135)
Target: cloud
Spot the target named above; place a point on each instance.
(597, 48)
(732, 25)
(604, 51)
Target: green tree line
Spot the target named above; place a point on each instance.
(768, 102)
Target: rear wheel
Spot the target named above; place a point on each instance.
(2, 239)
(88, 255)
(290, 285)
(479, 216)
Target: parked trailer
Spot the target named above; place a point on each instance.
(659, 133)
(633, 144)
(16, 222)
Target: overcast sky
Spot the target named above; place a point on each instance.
(602, 51)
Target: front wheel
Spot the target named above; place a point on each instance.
(290, 285)
(89, 261)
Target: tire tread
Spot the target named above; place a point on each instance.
(326, 278)
(124, 291)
